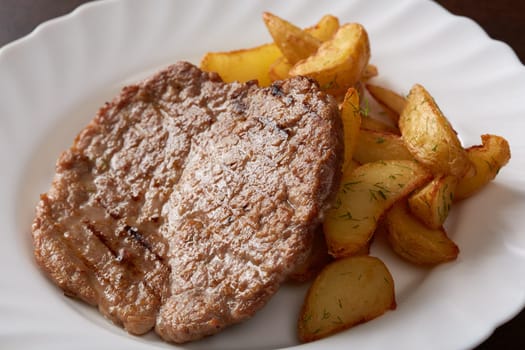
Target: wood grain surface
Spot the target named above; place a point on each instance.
(502, 19)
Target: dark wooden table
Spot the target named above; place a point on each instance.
(502, 19)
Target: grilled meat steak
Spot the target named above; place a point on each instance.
(187, 201)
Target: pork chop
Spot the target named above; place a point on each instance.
(186, 201)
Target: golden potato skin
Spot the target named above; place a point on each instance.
(429, 136)
(375, 124)
(488, 159)
(351, 118)
(325, 29)
(347, 292)
(380, 145)
(392, 102)
(338, 63)
(365, 194)
(294, 43)
(432, 203)
(415, 242)
(242, 65)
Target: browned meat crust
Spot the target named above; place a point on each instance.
(186, 201)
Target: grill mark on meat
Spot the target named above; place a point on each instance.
(91, 228)
(80, 280)
(276, 91)
(134, 233)
(134, 255)
(109, 275)
(186, 201)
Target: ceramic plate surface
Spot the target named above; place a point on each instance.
(53, 81)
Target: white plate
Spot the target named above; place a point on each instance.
(53, 81)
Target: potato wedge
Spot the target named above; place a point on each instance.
(487, 159)
(351, 118)
(325, 29)
(350, 167)
(294, 43)
(429, 136)
(375, 124)
(415, 242)
(377, 145)
(363, 197)
(392, 102)
(242, 65)
(279, 69)
(432, 203)
(316, 260)
(338, 63)
(346, 293)
(369, 72)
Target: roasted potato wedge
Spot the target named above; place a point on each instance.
(242, 65)
(350, 167)
(377, 145)
(338, 63)
(429, 136)
(363, 197)
(431, 204)
(294, 43)
(279, 69)
(346, 292)
(369, 72)
(487, 159)
(415, 242)
(325, 29)
(266, 62)
(351, 118)
(375, 124)
(392, 102)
